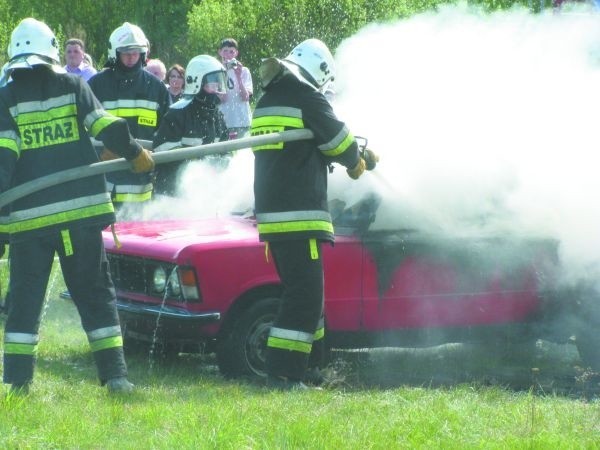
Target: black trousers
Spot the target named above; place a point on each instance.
(87, 276)
(296, 339)
(3, 302)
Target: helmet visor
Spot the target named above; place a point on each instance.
(130, 50)
(214, 82)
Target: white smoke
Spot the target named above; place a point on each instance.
(485, 123)
(206, 190)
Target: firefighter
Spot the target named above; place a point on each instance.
(193, 120)
(46, 120)
(126, 90)
(290, 188)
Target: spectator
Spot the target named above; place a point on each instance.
(235, 104)
(193, 120)
(175, 82)
(157, 68)
(125, 89)
(75, 58)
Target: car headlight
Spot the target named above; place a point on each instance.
(159, 279)
(174, 285)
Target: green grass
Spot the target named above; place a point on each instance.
(435, 398)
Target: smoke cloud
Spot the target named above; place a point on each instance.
(485, 124)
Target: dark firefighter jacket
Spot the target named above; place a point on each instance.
(46, 120)
(141, 99)
(200, 122)
(290, 179)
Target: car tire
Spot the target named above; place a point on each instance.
(241, 351)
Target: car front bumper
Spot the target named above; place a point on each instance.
(167, 312)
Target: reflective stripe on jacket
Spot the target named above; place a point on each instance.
(45, 123)
(290, 179)
(142, 100)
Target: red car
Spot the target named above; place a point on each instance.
(206, 285)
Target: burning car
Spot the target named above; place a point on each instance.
(207, 285)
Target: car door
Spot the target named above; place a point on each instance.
(416, 281)
(343, 283)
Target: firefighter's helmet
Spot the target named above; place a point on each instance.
(201, 71)
(311, 62)
(127, 37)
(33, 43)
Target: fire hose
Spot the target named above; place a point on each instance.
(180, 154)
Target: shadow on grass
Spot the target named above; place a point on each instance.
(542, 368)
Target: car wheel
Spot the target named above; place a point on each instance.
(242, 352)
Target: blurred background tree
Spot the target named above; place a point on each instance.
(179, 30)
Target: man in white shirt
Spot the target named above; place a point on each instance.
(75, 58)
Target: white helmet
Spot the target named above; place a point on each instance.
(127, 37)
(202, 70)
(315, 62)
(32, 43)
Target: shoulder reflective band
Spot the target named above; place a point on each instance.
(98, 120)
(339, 144)
(10, 140)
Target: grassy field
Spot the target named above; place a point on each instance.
(447, 397)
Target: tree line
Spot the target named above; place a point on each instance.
(179, 30)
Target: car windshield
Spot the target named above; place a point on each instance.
(355, 218)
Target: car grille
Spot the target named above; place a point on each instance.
(134, 274)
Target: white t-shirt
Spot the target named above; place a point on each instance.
(237, 111)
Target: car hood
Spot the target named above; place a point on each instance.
(167, 238)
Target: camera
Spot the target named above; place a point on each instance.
(231, 64)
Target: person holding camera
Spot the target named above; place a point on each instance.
(235, 103)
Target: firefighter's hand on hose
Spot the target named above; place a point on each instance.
(371, 159)
(358, 170)
(108, 155)
(142, 162)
